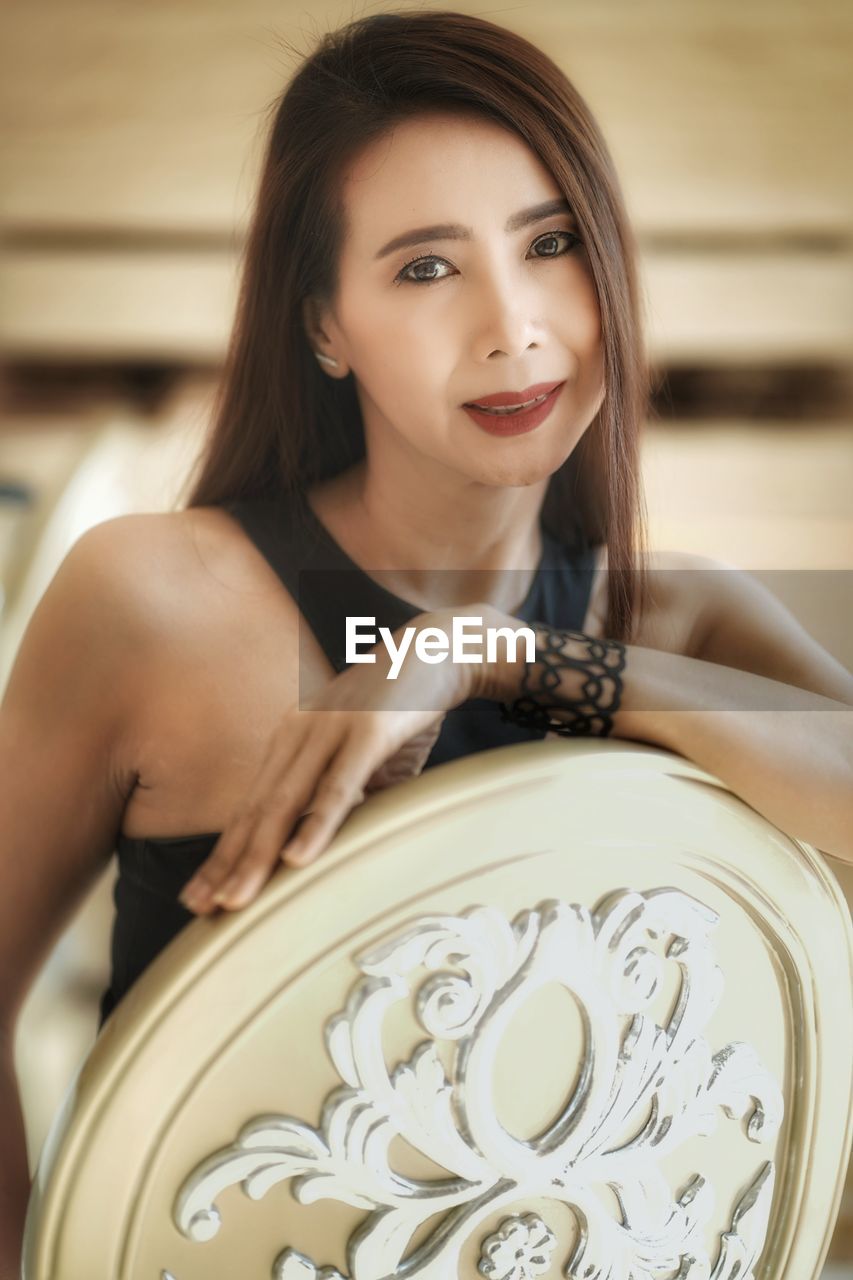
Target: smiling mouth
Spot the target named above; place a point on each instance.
(509, 409)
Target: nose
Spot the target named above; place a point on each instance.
(507, 317)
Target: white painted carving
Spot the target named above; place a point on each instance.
(660, 1084)
(741, 1246)
(520, 1249)
(292, 1265)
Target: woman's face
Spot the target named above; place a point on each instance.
(476, 314)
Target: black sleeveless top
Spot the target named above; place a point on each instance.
(327, 586)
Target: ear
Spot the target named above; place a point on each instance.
(312, 319)
(315, 318)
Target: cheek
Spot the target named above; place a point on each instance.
(397, 349)
(587, 317)
(404, 359)
(402, 383)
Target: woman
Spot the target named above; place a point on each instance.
(164, 702)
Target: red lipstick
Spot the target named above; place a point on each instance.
(513, 424)
(500, 399)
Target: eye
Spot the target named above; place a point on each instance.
(552, 235)
(428, 259)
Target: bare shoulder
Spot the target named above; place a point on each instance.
(747, 624)
(101, 596)
(673, 617)
(708, 608)
(171, 599)
(211, 657)
(134, 558)
(660, 560)
(168, 572)
(145, 548)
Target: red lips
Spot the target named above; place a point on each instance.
(501, 399)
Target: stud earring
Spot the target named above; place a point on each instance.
(328, 359)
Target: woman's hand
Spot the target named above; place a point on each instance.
(361, 733)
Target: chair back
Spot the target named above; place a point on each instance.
(569, 1008)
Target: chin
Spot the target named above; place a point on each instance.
(517, 476)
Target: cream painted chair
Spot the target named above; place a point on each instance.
(564, 1009)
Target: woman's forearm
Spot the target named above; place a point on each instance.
(785, 751)
(14, 1169)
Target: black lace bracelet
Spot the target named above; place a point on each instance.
(542, 706)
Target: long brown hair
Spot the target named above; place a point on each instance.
(280, 424)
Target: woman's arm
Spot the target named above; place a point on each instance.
(62, 792)
(785, 750)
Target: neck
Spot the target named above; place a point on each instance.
(432, 543)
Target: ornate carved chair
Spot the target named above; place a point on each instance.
(564, 1009)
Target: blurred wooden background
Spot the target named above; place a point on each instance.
(131, 137)
(129, 144)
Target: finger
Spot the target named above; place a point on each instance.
(339, 791)
(197, 893)
(268, 796)
(317, 831)
(276, 817)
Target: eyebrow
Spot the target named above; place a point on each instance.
(453, 231)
